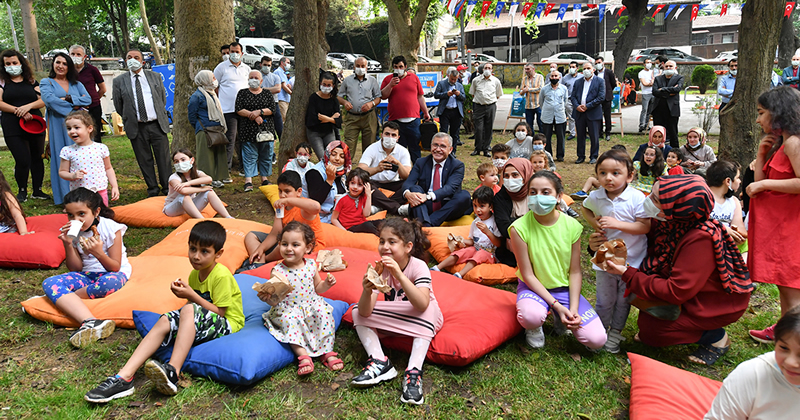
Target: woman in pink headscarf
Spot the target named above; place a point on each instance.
(326, 179)
(658, 138)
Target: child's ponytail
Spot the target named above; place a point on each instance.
(410, 232)
(91, 199)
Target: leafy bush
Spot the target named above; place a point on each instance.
(778, 71)
(703, 76)
(633, 73)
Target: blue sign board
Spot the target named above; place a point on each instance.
(167, 72)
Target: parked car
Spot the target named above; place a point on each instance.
(423, 59)
(568, 57)
(149, 60)
(671, 53)
(347, 60)
(372, 65)
(273, 47)
(727, 55)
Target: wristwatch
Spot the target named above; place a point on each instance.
(262, 112)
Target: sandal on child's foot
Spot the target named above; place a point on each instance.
(707, 354)
(332, 361)
(305, 365)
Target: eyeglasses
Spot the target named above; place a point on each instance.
(439, 146)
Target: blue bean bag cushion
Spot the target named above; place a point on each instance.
(244, 357)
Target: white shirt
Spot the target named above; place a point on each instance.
(147, 94)
(375, 153)
(586, 84)
(433, 177)
(480, 239)
(231, 80)
(755, 390)
(646, 76)
(627, 207)
(107, 229)
(89, 158)
(486, 91)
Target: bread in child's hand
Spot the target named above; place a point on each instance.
(375, 278)
(379, 267)
(739, 231)
(613, 250)
(84, 241)
(455, 242)
(277, 287)
(331, 260)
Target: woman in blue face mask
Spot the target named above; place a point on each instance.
(547, 245)
(511, 202)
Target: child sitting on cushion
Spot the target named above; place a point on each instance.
(352, 209)
(487, 174)
(674, 159)
(214, 310)
(190, 189)
(12, 217)
(291, 205)
(484, 236)
(302, 160)
(522, 143)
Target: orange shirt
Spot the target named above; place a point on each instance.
(295, 213)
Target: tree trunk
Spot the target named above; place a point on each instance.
(758, 36)
(404, 30)
(32, 49)
(788, 42)
(200, 27)
(309, 56)
(149, 33)
(627, 39)
(122, 12)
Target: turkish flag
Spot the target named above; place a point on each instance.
(592, 6)
(619, 13)
(525, 8)
(695, 9)
(724, 10)
(658, 9)
(485, 8)
(572, 30)
(548, 8)
(789, 8)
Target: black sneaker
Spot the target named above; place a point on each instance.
(91, 331)
(22, 196)
(163, 376)
(112, 388)
(375, 372)
(40, 195)
(412, 387)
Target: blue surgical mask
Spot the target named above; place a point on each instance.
(542, 205)
(538, 147)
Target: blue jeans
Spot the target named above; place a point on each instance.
(409, 138)
(257, 158)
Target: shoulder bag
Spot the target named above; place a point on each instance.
(215, 135)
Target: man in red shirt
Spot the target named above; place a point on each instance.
(404, 92)
(94, 83)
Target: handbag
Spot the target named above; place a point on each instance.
(264, 135)
(215, 135)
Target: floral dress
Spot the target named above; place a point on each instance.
(302, 317)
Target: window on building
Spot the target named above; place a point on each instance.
(660, 23)
(727, 38)
(700, 39)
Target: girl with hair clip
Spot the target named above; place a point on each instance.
(409, 308)
(97, 262)
(323, 119)
(352, 209)
(189, 189)
(774, 200)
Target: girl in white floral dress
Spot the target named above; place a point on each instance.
(303, 319)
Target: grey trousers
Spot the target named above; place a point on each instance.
(611, 306)
(483, 119)
(644, 116)
(151, 148)
(570, 121)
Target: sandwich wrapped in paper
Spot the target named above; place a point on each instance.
(455, 242)
(83, 241)
(277, 287)
(613, 250)
(374, 276)
(331, 260)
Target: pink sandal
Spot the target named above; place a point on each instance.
(330, 363)
(302, 365)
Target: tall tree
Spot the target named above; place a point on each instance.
(788, 42)
(32, 49)
(149, 33)
(758, 37)
(404, 30)
(117, 12)
(201, 26)
(310, 51)
(627, 39)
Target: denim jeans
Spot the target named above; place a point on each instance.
(257, 158)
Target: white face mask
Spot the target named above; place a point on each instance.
(235, 58)
(796, 63)
(573, 70)
(302, 160)
(77, 60)
(253, 83)
(389, 143)
(498, 163)
(134, 64)
(513, 184)
(287, 66)
(652, 211)
(326, 89)
(14, 70)
(360, 71)
(215, 83)
(399, 72)
(487, 73)
(587, 73)
(648, 66)
(669, 73)
(599, 66)
(225, 57)
(520, 135)
(733, 72)
(265, 69)
(183, 166)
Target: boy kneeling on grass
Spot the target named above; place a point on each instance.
(214, 310)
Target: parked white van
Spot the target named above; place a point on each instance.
(273, 47)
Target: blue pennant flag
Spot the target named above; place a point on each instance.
(601, 9)
(499, 9)
(539, 9)
(669, 10)
(561, 11)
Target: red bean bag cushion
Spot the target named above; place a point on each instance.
(41, 249)
(464, 338)
(661, 391)
(147, 213)
(484, 273)
(146, 290)
(177, 242)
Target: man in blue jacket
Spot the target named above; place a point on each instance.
(587, 97)
(727, 83)
(450, 93)
(433, 188)
(791, 74)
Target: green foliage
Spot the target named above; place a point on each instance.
(703, 76)
(778, 71)
(622, 23)
(633, 73)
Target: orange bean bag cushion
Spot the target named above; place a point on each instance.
(147, 213)
(146, 290)
(177, 242)
(337, 237)
(42, 249)
(464, 337)
(661, 391)
(484, 273)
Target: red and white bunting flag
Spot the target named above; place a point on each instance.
(525, 8)
(724, 10)
(548, 8)
(622, 9)
(695, 9)
(657, 9)
(485, 8)
(789, 8)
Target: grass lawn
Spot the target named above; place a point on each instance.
(43, 376)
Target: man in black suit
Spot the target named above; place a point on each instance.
(433, 188)
(666, 103)
(610, 83)
(587, 96)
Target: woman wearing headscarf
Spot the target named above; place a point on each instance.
(205, 111)
(691, 262)
(697, 155)
(657, 138)
(511, 203)
(326, 179)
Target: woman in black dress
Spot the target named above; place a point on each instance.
(323, 118)
(255, 107)
(20, 99)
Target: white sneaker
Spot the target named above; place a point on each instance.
(458, 275)
(375, 209)
(435, 268)
(613, 342)
(403, 210)
(535, 337)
